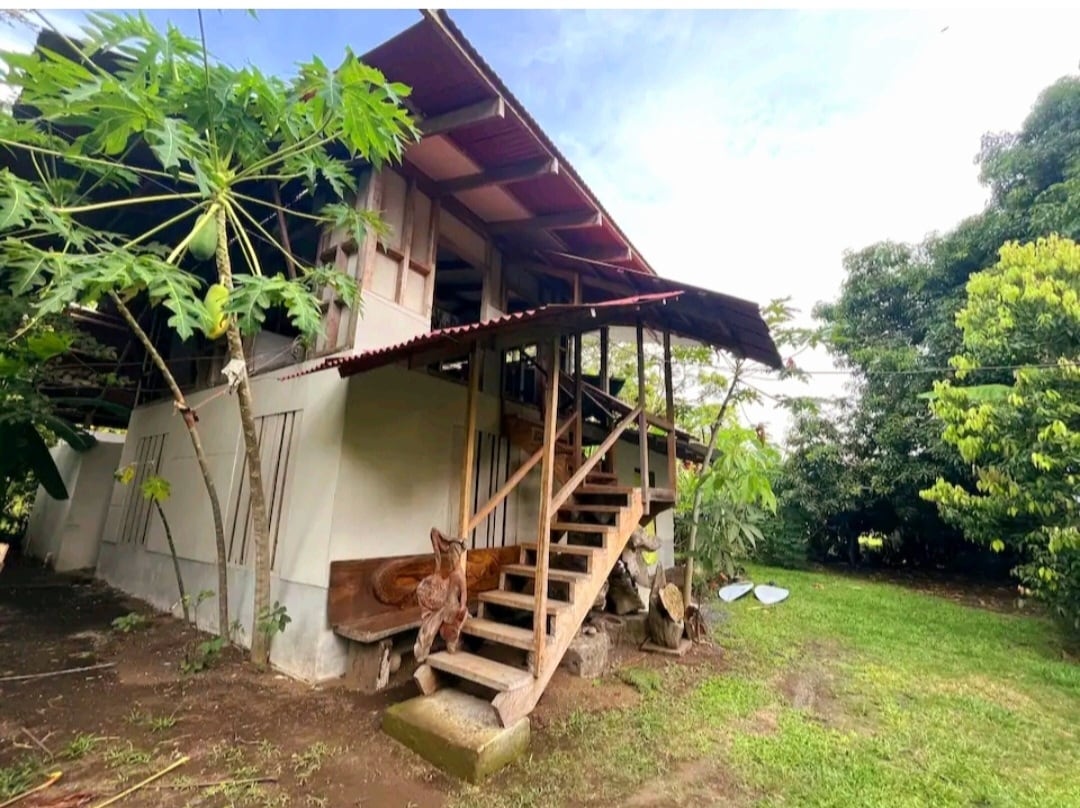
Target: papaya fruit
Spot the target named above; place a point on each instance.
(203, 244)
(216, 297)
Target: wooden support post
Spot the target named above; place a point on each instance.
(643, 424)
(468, 462)
(605, 385)
(579, 417)
(543, 539)
(669, 396)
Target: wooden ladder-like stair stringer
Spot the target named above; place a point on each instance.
(588, 536)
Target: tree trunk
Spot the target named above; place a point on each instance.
(175, 560)
(260, 642)
(200, 455)
(695, 516)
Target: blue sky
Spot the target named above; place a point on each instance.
(740, 150)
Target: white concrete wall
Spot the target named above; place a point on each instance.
(300, 575)
(70, 530)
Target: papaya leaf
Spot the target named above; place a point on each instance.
(31, 447)
(156, 489)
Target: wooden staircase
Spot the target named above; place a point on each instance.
(589, 530)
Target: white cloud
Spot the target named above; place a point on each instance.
(749, 167)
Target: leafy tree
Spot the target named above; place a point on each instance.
(1024, 443)
(145, 123)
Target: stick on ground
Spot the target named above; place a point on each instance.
(28, 676)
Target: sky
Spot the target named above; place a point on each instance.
(743, 151)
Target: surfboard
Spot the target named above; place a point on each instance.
(770, 594)
(735, 591)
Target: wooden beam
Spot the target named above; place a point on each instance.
(605, 386)
(543, 529)
(568, 275)
(572, 220)
(464, 116)
(406, 240)
(578, 412)
(643, 425)
(669, 397)
(606, 254)
(503, 175)
(469, 454)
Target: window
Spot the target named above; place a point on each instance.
(278, 436)
(137, 509)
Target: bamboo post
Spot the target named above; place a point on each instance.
(669, 396)
(543, 540)
(578, 391)
(643, 424)
(468, 462)
(605, 384)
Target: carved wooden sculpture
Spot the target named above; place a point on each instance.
(442, 597)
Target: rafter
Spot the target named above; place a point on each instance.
(503, 175)
(464, 116)
(572, 220)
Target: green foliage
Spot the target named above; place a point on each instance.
(130, 622)
(273, 620)
(737, 500)
(1024, 447)
(203, 655)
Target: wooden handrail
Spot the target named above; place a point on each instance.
(515, 480)
(583, 472)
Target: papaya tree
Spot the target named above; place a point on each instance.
(142, 124)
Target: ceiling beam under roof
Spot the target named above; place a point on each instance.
(571, 220)
(464, 116)
(515, 172)
(613, 254)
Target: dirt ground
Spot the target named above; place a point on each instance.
(108, 729)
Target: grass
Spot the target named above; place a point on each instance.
(849, 693)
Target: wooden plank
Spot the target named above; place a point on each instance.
(501, 633)
(427, 679)
(590, 507)
(643, 428)
(572, 220)
(566, 549)
(463, 116)
(669, 399)
(578, 477)
(606, 254)
(503, 175)
(406, 241)
(379, 626)
(543, 530)
(469, 454)
(605, 489)
(527, 571)
(526, 603)
(481, 670)
(581, 527)
(579, 416)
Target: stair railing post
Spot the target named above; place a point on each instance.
(578, 393)
(543, 539)
(669, 395)
(643, 424)
(605, 385)
(468, 460)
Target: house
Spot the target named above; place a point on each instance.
(457, 399)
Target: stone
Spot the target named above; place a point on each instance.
(458, 733)
(587, 655)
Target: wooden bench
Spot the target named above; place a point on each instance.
(371, 603)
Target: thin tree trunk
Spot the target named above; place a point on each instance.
(175, 560)
(260, 644)
(695, 515)
(200, 456)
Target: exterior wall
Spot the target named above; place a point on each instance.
(301, 568)
(70, 530)
(627, 461)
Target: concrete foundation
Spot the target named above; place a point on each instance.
(456, 732)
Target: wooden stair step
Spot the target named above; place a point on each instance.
(582, 527)
(500, 632)
(569, 549)
(590, 507)
(602, 475)
(610, 490)
(481, 670)
(528, 571)
(517, 600)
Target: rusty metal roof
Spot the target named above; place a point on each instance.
(686, 312)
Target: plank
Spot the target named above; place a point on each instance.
(464, 116)
(568, 549)
(501, 633)
(581, 527)
(590, 507)
(570, 220)
(503, 175)
(481, 670)
(529, 571)
(516, 600)
(611, 490)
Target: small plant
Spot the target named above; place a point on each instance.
(80, 746)
(18, 777)
(130, 622)
(161, 723)
(307, 763)
(122, 757)
(272, 621)
(203, 656)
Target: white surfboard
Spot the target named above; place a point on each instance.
(735, 591)
(770, 594)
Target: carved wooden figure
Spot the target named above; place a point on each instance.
(442, 597)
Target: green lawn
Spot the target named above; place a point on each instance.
(851, 693)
